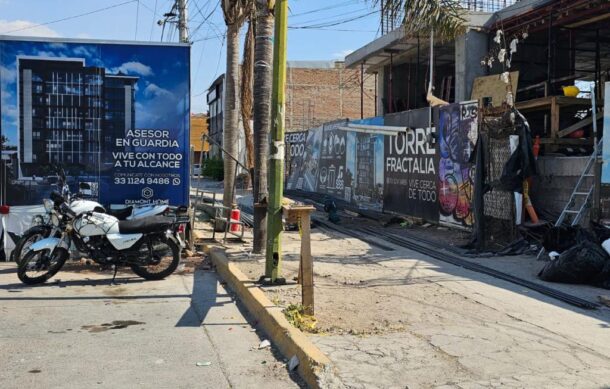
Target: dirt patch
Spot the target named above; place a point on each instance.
(115, 325)
(348, 296)
(198, 261)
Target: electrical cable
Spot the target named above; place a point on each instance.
(71, 17)
(152, 26)
(335, 23)
(135, 35)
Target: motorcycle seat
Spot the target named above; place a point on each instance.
(121, 214)
(145, 225)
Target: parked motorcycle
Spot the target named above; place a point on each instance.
(42, 226)
(150, 246)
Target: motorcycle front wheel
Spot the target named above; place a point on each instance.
(38, 266)
(162, 256)
(30, 237)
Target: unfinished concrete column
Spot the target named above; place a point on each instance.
(470, 49)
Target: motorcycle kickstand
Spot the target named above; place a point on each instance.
(116, 269)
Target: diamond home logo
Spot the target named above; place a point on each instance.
(147, 193)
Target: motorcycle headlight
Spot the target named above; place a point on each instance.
(55, 220)
(48, 205)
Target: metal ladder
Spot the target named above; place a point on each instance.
(571, 208)
(587, 173)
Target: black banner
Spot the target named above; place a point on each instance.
(331, 178)
(410, 174)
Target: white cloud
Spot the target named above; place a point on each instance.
(153, 90)
(26, 28)
(9, 76)
(133, 68)
(49, 54)
(84, 51)
(342, 54)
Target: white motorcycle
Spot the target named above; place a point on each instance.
(151, 246)
(43, 225)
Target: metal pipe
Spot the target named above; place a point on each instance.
(362, 90)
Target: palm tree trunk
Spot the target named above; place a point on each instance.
(247, 69)
(231, 112)
(263, 63)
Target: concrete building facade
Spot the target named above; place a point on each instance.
(199, 145)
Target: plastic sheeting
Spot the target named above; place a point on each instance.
(17, 221)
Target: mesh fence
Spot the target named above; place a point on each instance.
(498, 205)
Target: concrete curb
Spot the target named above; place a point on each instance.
(314, 366)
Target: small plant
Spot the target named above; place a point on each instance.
(295, 313)
(213, 168)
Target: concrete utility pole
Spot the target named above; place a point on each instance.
(182, 21)
(277, 147)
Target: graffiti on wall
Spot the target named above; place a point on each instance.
(458, 134)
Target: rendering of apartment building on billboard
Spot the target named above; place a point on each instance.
(70, 113)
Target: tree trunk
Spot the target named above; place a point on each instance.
(231, 113)
(247, 69)
(263, 63)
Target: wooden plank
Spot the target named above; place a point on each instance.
(307, 261)
(566, 142)
(541, 102)
(568, 101)
(494, 87)
(576, 126)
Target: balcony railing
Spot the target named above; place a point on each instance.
(391, 18)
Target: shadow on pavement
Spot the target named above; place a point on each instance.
(204, 297)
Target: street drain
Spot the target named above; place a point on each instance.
(115, 325)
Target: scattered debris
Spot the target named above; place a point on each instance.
(295, 313)
(293, 363)
(264, 344)
(206, 363)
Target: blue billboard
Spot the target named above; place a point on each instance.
(112, 114)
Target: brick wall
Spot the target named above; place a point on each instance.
(315, 96)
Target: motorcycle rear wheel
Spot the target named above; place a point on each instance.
(166, 257)
(42, 264)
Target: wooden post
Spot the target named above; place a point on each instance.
(302, 214)
(307, 264)
(554, 123)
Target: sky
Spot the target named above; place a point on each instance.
(333, 28)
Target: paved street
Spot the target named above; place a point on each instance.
(82, 332)
(427, 324)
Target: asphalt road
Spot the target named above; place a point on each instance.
(81, 332)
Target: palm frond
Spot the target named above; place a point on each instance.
(445, 17)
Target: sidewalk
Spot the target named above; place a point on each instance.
(399, 318)
(78, 331)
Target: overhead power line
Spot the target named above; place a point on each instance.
(325, 8)
(71, 17)
(335, 23)
(135, 35)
